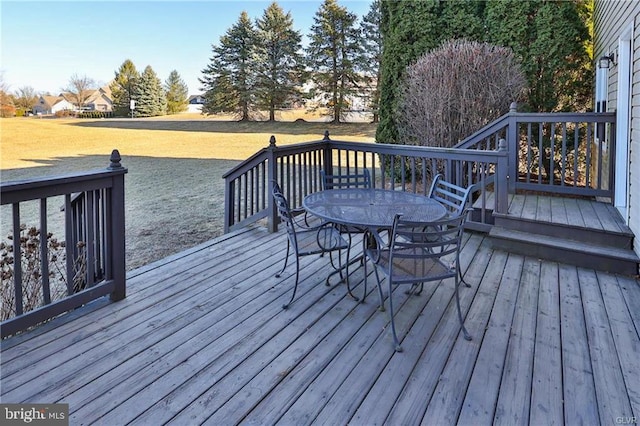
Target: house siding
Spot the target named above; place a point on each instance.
(611, 19)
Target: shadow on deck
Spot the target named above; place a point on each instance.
(202, 338)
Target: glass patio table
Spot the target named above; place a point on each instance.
(370, 209)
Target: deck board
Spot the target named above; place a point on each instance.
(546, 393)
(202, 338)
(612, 396)
(580, 401)
(515, 390)
(484, 387)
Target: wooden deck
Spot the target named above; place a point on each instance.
(202, 338)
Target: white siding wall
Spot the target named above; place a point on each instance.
(612, 18)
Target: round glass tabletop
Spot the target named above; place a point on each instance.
(372, 208)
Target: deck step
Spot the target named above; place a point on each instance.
(622, 239)
(579, 253)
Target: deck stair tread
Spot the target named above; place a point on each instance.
(566, 244)
(576, 231)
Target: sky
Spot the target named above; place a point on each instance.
(44, 43)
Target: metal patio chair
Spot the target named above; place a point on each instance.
(419, 252)
(453, 197)
(356, 180)
(306, 240)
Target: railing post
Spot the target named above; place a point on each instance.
(512, 141)
(612, 161)
(501, 180)
(327, 156)
(118, 230)
(272, 218)
(229, 201)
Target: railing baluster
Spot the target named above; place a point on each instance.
(44, 252)
(576, 151)
(89, 247)
(563, 176)
(17, 260)
(599, 164)
(540, 151)
(529, 152)
(70, 244)
(552, 153)
(588, 182)
(425, 185)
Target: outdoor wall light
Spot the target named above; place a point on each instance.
(606, 61)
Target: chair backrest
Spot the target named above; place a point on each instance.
(357, 180)
(453, 197)
(283, 208)
(417, 243)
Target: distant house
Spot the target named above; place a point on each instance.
(195, 103)
(97, 100)
(48, 104)
(100, 100)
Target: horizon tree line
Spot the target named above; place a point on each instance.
(152, 97)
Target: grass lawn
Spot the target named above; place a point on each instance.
(174, 188)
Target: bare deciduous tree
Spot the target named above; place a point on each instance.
(79, 89)
(25, 98)
(456, 89)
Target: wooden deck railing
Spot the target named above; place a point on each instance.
(566, 153)
(297, 169)
(94, 246)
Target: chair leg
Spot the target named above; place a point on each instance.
(295, 286)
(346, 278)
(286, 259)
(380, 295)
(460, 272)
(467, 336)
(415, 289)
(466, 284)
(396, 342)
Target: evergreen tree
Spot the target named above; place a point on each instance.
(372, 55)
(124, 88)
(410, 29)
(549, 38)
(229, 79)
(177, 93)
(280, 64)
(333, 52)
(151, 97)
